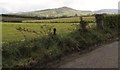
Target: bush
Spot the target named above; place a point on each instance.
(111, 21)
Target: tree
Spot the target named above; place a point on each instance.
(76, 15)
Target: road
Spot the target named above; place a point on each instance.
(105, 56)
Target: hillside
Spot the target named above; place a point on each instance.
(56, 12)
(108, 11)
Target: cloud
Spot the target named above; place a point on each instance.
(31, 5)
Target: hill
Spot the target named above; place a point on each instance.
(56, 12)
(107, 11)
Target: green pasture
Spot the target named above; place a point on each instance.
(9, 32)
(62, 20)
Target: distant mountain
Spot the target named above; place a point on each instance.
(107, 11)
(56, 12)
(59, 12)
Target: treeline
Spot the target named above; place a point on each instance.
(15, 18)
(20, 18)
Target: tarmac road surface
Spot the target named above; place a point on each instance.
(105, 56)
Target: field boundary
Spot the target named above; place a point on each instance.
(74, 55)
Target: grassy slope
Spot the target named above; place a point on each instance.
(57, 12)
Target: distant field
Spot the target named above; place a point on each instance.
(30, 19)
(10, 33)
(63, 20)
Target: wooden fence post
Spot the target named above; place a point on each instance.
(54, 31)
(99, 21)
(83, 24)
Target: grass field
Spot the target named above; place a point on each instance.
(27, 42)
(63, 20)
(10, 33)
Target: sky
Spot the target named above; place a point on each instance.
(31, 5)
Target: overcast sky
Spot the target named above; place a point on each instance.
(31, 5)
